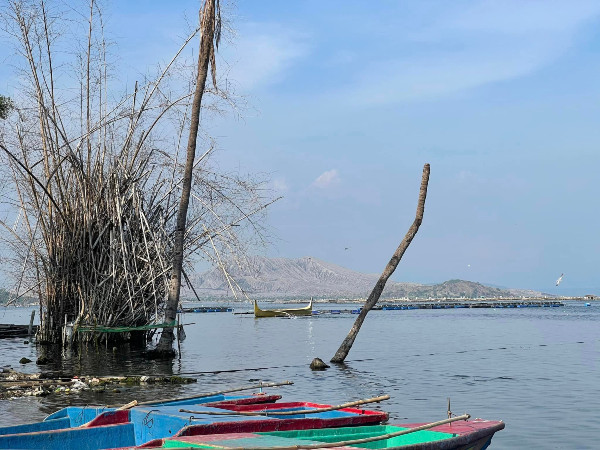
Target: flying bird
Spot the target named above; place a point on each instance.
(560, 279)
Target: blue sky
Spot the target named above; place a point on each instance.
(346, 100)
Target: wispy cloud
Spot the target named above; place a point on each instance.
(524, 17)
(486, 42)
(263, 53)
(327, 179)
(280, 185)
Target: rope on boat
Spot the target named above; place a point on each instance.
(226, 391)
(266, 412)
(365, 440)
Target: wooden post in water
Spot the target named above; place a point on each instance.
(178, 335)
(30, 330)
(346, 345)
(210, 34)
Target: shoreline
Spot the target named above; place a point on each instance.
(393, 300)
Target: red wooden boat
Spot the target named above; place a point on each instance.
(344, 417)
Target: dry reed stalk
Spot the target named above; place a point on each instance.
(96, 181)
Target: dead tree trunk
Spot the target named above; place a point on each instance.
(344, 349)
(210, 34)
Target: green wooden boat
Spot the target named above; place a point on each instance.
(461, 435)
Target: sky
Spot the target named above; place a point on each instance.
(347, 100)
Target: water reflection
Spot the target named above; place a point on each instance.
(124, 359)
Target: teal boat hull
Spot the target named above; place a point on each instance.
(468, 435)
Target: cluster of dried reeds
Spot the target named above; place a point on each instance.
(96, 183)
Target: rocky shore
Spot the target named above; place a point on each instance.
(15, 384)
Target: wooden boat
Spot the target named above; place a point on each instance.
(141, 424)
(464, 435)
(77, 416)
(290, 416)
(284, 312)
(10, 330)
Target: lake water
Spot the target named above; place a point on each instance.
(535, 368)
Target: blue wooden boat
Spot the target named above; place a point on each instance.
(134, 427)
(76, 416)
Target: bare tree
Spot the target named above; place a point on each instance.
(96, 177)
(210, 34)
(346, 345)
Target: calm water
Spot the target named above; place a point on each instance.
(535, 368)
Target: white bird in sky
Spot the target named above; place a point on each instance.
(560, 279)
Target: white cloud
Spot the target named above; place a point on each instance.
(486, 42)
(280, 185)
(327, 179)
(523, 17)
(262, 54)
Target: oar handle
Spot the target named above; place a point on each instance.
(266, 412)
(128, 405)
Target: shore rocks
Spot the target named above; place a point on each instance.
(318, 364)
(15, 384)
(42, 361)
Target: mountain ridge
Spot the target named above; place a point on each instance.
(301, 278)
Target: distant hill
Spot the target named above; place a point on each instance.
(6, 296)
(289, 279)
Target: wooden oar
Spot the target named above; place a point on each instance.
(364, 440)
(226, 391)
(128, 405)
(385, 436)
(266, 412)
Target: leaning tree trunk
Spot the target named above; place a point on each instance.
(344, 349)
(210, 33)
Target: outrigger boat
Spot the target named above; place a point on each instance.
(284, 312)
